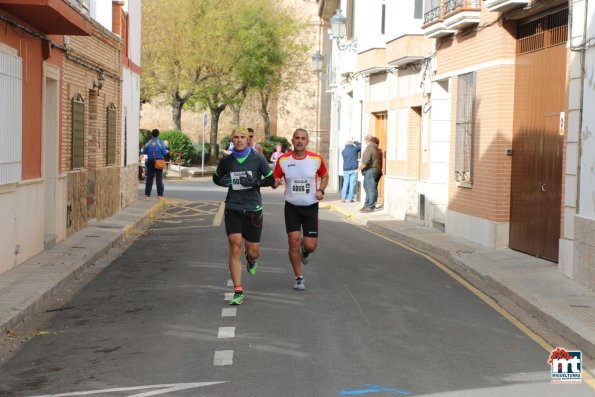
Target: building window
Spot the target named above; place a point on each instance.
(547, 31)
(350, 19)
(383, 19)
(11, 119)
(111, 134)
(418, 12)
(78, 132)
(465, 129)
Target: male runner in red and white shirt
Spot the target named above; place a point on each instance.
(301, 170)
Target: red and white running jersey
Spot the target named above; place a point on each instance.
(301, 176)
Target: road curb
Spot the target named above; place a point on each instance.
(26, 287)
(457, 264)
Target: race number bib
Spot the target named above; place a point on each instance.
(300, 187)
(237, 178)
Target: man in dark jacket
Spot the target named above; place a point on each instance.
(370, 168)
(349, 154)
(155, 149)
(243, 172)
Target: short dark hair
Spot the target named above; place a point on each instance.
(250, 129)
(155, 133)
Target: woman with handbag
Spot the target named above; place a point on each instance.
(156, 151)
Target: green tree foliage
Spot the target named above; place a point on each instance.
(143, 137)
(211, 53)
(179, 143)
(170, 52)
(197, 159)
(282, 140)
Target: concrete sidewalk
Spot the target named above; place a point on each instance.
(24, 288)
(533, 284)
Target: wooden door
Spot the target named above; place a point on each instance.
(380, 133)
(540, 98)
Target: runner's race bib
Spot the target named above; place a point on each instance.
(300, 187)
(237, 178)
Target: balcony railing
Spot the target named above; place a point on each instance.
(432, 15)
(459, 5)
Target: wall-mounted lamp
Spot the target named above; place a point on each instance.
(317, 60)
(100, 80)
(338, 31)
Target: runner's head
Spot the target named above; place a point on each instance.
(239, 138)
(300, 140)
(250, 136)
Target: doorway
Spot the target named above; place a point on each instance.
(540, 108)
(380, 129)
(51, 155)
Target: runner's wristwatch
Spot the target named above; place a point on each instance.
(321, 191)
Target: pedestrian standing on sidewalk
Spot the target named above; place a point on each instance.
(155, 149)
(276, 155)
(242, 172)
(301, 170)
(370, 168)
(349, 153)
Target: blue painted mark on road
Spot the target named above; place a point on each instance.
(374, 389)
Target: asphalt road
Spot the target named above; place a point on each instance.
(376, 320)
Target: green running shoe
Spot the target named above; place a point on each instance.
(251, 267)
(238, 298)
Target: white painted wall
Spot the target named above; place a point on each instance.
(368, 24)
(400, 19)
(587, 161)
(133, 7)
(131, 85)
(101, 11)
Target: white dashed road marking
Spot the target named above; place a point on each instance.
(228, 296)
(226, 332)
(231, 312)
(223, 357)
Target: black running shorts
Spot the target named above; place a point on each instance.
(247, 223)
(302, 217)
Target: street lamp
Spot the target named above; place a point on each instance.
(317, 60)
(100, 80)
(338, 31)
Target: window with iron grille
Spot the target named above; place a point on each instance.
(11, 119)
(111, 134)
(78, 132)
(547, 31)
(465, 129)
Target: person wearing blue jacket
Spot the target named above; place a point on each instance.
(154, 149)
(349, 153)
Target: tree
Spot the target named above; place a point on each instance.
(272, 55)
(210, 54)
(171, 52)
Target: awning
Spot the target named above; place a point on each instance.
(50, 16)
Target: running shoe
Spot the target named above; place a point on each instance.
(304, 255)
(238, 298)
(251, 267)
(299, 284)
